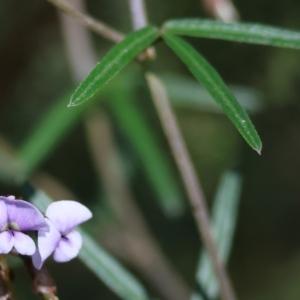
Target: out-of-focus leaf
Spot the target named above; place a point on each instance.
(239, 32)
(9, 167)
(187, 93)
(224, 215)
(155, 163)
(211, 80)
(114, 62)
(47, 134)
(104, 266)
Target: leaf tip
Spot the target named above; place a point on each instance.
(70, 104)
(258, 150)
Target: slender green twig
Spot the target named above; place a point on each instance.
(90, 22)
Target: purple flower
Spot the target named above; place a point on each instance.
(17, 216)
(63, 216)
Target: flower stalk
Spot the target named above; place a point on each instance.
(5, 275)
(43, 283)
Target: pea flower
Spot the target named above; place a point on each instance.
(16, 217)
(62, 217)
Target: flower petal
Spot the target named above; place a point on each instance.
(25, 215)
(47, 242)
(66, 215)
(3, 212)
(6, 242)
(23, 243)
(68, 247)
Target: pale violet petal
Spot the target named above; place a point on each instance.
(37, 260)
(3, 213)
(67, 214)
(6, 242)
(68, 247)
(25, 215)
(47, 242)
(23, 243)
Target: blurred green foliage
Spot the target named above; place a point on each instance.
(34, 73)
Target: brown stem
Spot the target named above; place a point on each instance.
(43, 282)
(5, 294)
(190, 180)
(221, 9)
(88, 21)
(142, 249)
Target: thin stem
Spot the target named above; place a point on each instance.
(43, 283)
(190, 180)
(139, 20)
(78, 42)
(221, 9)
(140, 246)
(138, 14)
(4, 279)
(88, 21)
(189, 176)
(179, 150)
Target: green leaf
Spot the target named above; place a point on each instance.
(239, 32)
(104, 266)
(184, 92)
(109, 270)
(211, 80)
(114, 62)
(155, 163)
(224, 216)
